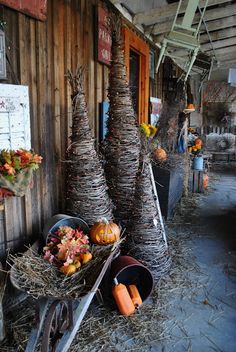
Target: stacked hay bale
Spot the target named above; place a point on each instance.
(123, 141)
(87, 194)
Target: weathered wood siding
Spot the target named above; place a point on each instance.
(39, 55)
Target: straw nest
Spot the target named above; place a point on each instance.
(34, 275)
(122, 144)
(87, 191)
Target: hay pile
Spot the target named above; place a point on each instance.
(34, 275)
(87, 194)
(122, 142)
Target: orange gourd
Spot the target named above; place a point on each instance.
(160, 154)
(68, 270)
(104, 232)
(205, 181)
(85, 257)
(198, 141)
(135, 296)
(123, 300)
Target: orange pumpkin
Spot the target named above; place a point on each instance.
(160, 154)
(85, 257)
(104, 232)
(198, 141)
(68, 270)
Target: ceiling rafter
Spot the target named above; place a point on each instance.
(217, 13)
(159, 14)
(219, 35)
(219, 44)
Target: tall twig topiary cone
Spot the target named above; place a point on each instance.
(145, 239)
(87, 191)
(123, 141)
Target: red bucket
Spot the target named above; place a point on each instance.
(128, 271)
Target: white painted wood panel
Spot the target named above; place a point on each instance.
(14, 117)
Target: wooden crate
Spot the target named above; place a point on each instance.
(196, 181)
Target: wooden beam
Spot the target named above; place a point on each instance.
(159, 13)
(221, 25)
(224, 58)
(219, 44)
(210, 15)
(226, 64)
(225, 51)
(219, 35)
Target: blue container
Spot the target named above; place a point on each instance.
(198, 163)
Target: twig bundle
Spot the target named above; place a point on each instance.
(87, 193)
(122, 142)
(36, 276)
(145, 234)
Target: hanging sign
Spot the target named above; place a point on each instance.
(103, 37)
(33, 8)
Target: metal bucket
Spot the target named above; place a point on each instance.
(198, 163)
(53, 224)
(128, 271)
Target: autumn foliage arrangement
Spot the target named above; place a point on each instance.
(68, 249)
(14, 162)
(16, 167)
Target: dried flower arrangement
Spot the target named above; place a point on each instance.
(68, 248)
(16, 167)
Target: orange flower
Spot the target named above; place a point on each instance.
(37, 159)
(10, 169)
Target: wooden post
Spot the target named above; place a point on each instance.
(2, 288)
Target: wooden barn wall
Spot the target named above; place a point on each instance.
(39, 55)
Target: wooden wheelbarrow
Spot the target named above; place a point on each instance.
(58, 320)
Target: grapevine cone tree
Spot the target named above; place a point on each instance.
(123, 141)
(145, 240)
(87, 191)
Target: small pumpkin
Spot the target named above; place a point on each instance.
(68, 270)
(85, 257)
(160, 154)
(198, 141)
(104, 232)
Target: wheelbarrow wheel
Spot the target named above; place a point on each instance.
(58, 320)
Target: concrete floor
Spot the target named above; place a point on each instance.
(202, 317)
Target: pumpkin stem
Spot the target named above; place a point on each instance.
(104, 220)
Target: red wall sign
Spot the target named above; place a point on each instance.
(33, 8)
(104, 37)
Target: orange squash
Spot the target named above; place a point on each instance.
(68, 270)
(198, 141)
(205, 181)
(123, 299)
(104, 232)
(85, 257)
(160, 154)
(135, 296)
